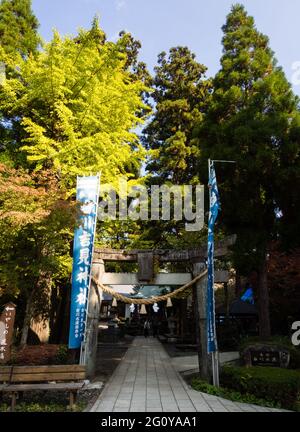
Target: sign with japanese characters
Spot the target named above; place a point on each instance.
(7, 320)
(265, 358)
(87, 194)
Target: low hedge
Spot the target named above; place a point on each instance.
(274, 384)
(43, 354)
(41, 407)
(203, 386)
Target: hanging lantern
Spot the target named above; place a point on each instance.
(169, 302)
(114, 303)
(155, 307)
(143, 310)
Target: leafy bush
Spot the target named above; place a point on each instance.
(235, 396)
(43, 354)
(31, 355)
(40, 407)
(205, 387)
(272, 384)
(62, 355)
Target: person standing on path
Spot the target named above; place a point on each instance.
(146, 327)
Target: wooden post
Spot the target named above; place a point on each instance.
(201, 331)
(73, 397)
(14, 396)
(263, 301)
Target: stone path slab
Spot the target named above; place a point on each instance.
(146, 381)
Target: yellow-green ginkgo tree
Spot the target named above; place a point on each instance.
(78, 107)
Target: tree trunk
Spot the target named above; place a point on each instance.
(226, 298)
(55, 303)
(263, 301)
(42, 306)
(65, 318)
(43, 288)
(27, 319)
(238, 283)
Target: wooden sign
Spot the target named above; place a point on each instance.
(7, 320)
(145, 267)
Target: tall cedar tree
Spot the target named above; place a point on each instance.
(181, 94)
(253, 119)
(18, 27)
(18, 37)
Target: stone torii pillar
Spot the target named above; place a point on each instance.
(95, 298)
(201, 321)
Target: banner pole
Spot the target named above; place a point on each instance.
(213, 368)
(82, 360)
(214, 351)
(214, 354)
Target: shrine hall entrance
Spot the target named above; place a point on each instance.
(169, 319)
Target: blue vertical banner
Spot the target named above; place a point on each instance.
(248, 296)
(87, 194)
(214, 205)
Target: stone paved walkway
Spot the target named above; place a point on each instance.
(146, 381)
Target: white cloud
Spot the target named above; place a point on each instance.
(120, 4)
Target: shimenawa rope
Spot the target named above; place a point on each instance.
(151, 300)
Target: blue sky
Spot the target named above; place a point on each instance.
(162, 24)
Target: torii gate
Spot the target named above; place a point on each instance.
(145, 260)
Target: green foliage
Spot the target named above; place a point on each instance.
(37, 223)
(18, 28)
(181, 94)
(205, 387)
(235, 396)
(76, 106)
(130, 47)
(62, 355)
(270, 383)
(71, 109)
(41, 407)
(253, 119)
(18, 39)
